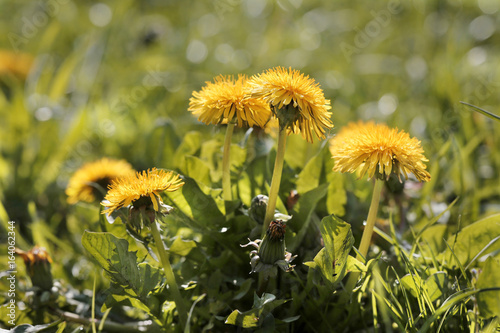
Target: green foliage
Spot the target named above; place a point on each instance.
(488, 301)
(121, 88)
(332, 259)
(257, 316)
(480, 237)
(130, 280)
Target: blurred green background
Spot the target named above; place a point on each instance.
(114, 79)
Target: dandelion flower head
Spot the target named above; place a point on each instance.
(226, 100)
(376, 149)
(295, 99)
(145, 185)
(87, 182)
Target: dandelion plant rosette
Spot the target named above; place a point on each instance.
(228, 101)
(89, 183)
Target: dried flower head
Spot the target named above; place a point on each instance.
(377, 150)
(90, 181)
(295, 99)
(227, 100)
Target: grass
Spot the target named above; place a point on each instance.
(122, 90)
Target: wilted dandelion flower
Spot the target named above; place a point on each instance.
(295, 99)
(141, 189)
(227, 100)
(90, 181)
(377, 150)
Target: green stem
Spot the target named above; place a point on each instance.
(169, 274)
(275, 183)
(370, 221)
(226, 165)
(365, 239)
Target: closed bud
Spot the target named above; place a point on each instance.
(38, 267)
(258, 208)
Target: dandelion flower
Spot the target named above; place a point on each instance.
(141, 191)
(295, 99)
(141, 188)
(227, 100)
(377, 150)
(88, 182)
(17, 64)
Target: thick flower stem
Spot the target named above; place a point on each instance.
(276, 180)
(226, 165)
(169, 274)
(370, 221)
(366, 238)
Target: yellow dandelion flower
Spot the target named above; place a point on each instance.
(17, 64)
(227, 100)
(377, 149)
(296, 100)
(142, 185)
(84, 184)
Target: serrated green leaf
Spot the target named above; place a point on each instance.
(338, 240)
(120, 265)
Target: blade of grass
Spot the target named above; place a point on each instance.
(409, 313)
(103, 320)
(451, 302)
(188, 323)
(430, 223)
(462, 269)
(94, 330)
(396, 316)
(482, 111)
(482, 251)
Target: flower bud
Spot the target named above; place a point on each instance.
(272, 247)
(258, 208)
(38, 265)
